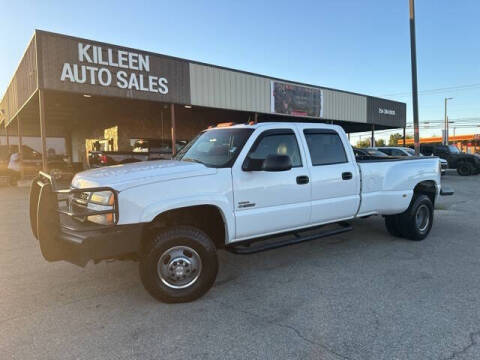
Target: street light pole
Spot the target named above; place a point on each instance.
(445, 136)
(413, 53)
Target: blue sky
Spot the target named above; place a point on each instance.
(361, 46)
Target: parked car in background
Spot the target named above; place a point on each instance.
(143, 150)
(366, 153)
(466, 164)
(244, 188)
(406, 151)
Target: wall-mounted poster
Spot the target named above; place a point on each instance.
(296, 100)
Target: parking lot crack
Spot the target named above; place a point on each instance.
(286, 326)
(301, 336)
(464, 350)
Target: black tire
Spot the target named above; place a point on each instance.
(410, 223)
(178, 242)
(464, 169)
(391, 223)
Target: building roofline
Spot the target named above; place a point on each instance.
(212, 65)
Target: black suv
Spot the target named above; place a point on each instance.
(466, 164)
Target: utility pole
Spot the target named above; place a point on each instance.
(372, 139)
(445, 134)
(413, 53)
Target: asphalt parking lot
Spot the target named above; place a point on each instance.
(360, 295)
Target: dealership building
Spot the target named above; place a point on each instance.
(76, 92)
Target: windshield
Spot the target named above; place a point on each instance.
(410, 152)
(453, 149)
(215, 148)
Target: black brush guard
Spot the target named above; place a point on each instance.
(61, 233)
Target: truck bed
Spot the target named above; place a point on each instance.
(388, 183)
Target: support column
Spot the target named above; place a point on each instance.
(404, 136)
(372, 140)
(69, 146)
(173, 129)
(6, 135)
(43, 129)
(20, 147)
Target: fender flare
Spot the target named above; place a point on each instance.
(222, 204)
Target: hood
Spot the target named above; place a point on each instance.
(121, 177)
(469, 156)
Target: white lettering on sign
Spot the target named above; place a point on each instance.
(93, 71)
(386, 111)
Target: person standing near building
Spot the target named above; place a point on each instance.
(14, 168)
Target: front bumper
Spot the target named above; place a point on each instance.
(63, 237)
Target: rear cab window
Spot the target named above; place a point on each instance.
(325, 147)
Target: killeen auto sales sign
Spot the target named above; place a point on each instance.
(133, 73)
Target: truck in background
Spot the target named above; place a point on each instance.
(143, 150)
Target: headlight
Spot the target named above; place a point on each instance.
(102, 198)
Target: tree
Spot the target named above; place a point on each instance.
(366, 143)
(380, 142)
(363, 143)
(397, 139)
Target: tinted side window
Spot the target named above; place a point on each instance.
(396, 152)
(277, 144)
(386, 151)
(325, 148)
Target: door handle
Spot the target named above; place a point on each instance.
(302, 180)
(347, 176)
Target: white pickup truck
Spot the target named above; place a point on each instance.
(243, 188)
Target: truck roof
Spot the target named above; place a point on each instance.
(274, 124)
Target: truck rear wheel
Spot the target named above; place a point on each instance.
(464, 169)
(179, 265)
(416, 222)
(391, 223)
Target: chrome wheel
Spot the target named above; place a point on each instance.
(422, 218)
(179, 267)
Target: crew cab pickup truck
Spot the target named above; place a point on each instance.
(244, 188)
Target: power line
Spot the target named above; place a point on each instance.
(437, 90)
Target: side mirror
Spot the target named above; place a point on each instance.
(252, 164)
(277, 163)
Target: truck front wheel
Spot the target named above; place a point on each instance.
(179, 264)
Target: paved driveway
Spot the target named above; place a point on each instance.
(360, 295)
